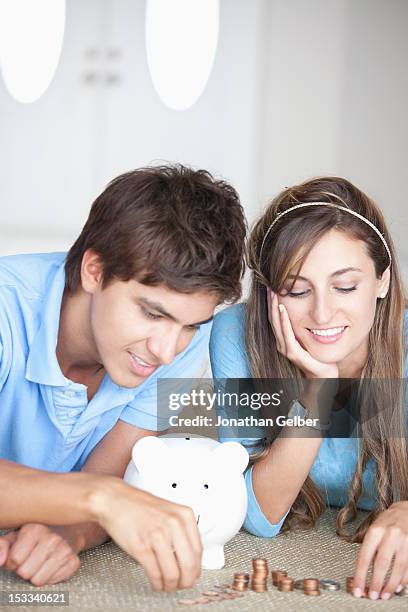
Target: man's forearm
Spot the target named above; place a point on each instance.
(36, 496)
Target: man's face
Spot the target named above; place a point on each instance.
(332, 304)
(137, 328)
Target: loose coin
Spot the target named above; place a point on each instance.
(221, 586)
(187, 602)
(330, 585)
(202, 600)
(298, 584)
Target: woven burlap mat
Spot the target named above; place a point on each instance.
(110, 580)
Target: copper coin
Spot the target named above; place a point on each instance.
(286, 584)
(277, 575)
(202, 600)
(240, 587)
(221, 586)
(285, 588)
(311, 583)
(259, 589)
(241, 575)
(187, 602)
(313, 593)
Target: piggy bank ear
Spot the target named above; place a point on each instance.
(149, 451)
(229, 456)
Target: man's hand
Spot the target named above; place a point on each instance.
(161, 535)
(39, 554)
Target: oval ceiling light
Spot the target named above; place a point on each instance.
(181, 43)
(31, 36)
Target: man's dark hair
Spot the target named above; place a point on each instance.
(168, 225)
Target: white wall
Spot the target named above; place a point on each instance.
(336, 99)
(57, 154)
(299, 88)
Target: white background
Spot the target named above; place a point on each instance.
(299, 88)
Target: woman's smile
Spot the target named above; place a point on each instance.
(327, 335)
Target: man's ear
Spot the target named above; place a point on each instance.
(384, 283)
(91, 271)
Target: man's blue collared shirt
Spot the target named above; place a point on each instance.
(46, 421)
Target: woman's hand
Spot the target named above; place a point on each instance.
(288, 345)
(385, 541)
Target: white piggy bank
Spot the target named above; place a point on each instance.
(197, 472)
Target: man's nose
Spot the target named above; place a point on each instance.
(164, 346)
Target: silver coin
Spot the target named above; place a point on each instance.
(298, 584)
(404, 592)
(330, 585)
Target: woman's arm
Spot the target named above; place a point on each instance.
(279, 476)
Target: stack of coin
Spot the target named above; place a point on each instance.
(329, 585)
(285, 584)
(311, 586)
(241, 581)
(260, 575)
(350, 584)
(277, 575)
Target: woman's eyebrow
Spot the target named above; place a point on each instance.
(336, 273)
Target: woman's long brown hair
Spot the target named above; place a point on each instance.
(286, 247)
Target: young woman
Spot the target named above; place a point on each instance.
(327, 302)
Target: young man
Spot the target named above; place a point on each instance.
(83, 341)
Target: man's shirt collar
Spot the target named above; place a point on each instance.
(42, 363)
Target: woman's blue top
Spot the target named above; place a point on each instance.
(335, 463)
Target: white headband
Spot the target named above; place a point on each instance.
(352, 212)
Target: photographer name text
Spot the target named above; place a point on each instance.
(249, 421)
